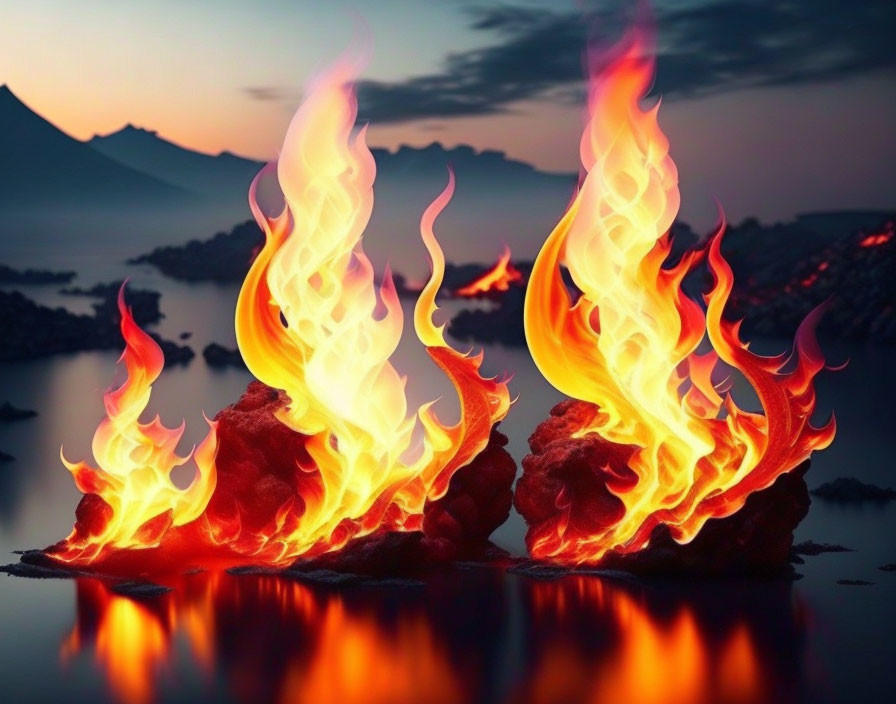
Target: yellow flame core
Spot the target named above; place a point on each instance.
(628, 344)
(135, 461)
(309, 321)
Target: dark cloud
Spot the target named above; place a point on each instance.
(713, 47)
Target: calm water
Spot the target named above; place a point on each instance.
(479, 636)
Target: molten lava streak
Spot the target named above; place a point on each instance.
(629, 345)
(133, 501)
(498, 278)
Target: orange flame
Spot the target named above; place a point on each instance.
(498, 278)
(629, 343)
(309, 321)
(135, 460)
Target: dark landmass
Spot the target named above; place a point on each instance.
(855, 582)
(219, 356)
(8, 275)
(500, 324)
(810, 547)
(10, 414)
(891, 567)
(40, 164)
(755, 541)
(224, 258)
(33, 330)
(144, 304)
(849, 490)
(784, 271)
(186, 335)
(223, 174)
(5, 457)
(139, 590)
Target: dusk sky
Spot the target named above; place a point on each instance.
(772, 107)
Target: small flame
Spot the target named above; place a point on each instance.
(309, 321)
(135, 460)
(629, 343)
(498, 278)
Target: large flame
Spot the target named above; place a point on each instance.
(629, 343)
(498, 278)
(135, 461)
(309, 321)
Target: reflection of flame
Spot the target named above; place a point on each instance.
(498, 278)
(629, 343)
(330, 652)
(135, 461)
(309, 321)
(653, 660)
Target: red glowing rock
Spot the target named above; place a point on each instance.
(262, 464)
(755, 540)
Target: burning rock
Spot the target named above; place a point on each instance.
(658, 454)
(757, 539)
(336, 454)
(256, 465)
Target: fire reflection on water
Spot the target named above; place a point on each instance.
(267, 639)
(603, 642)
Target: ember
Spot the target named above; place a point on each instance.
(671, 449)
(877, 239)
(499, 278)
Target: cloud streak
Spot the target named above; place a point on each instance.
(709, 48)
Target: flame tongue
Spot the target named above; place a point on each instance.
(629, 343)
(498, 278)
(135, 461)
(309, 321)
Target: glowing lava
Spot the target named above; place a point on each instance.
(878, 238)
(629, 343)
(499, 278)
(134, 500)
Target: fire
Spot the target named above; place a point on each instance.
(135, 460)
(498, 278)
(629, 343)
(310, 321)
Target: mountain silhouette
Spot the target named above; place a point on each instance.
(41, 165)
(220, 175)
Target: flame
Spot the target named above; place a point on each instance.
(135, 460)
(309, 321)
(629, 343)
(498, 278)
(325, 650)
